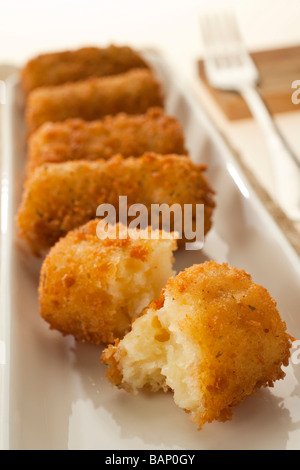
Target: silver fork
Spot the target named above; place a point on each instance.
(228, 66)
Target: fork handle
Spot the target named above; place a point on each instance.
(285, 166)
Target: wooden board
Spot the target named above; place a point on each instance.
(278, 69)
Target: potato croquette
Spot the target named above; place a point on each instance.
(92, 288)
(128, 135)
(70, 66)
(213, 337)
(133, 92)
(60, 197)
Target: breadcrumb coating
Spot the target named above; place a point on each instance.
(60, 197)
(214, 337)
(75, 139)
(132, 92)
(92, 288)
(70, 66)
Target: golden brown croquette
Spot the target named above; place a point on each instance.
(70, 66)
(75, 139)
(213, 337)
(60, 197)
(92, 288)
(132, 92)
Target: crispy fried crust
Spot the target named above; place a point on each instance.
(75, 139)
(87, 285)
(132, 92)
(61, 197)
(234, 325)
(70, 66)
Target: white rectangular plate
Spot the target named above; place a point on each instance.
(53, 391)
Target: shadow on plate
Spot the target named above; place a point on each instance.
(148, 420)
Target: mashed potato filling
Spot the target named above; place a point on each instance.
(142, 280)
(163, 359)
